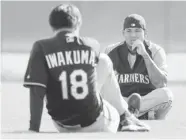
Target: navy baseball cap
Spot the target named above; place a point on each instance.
(134, 21)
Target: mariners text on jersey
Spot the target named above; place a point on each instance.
(70, 58)
(132, 78)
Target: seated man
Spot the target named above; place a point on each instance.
(141, 70)
(64, 69)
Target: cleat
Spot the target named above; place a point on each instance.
(132, 124)
(134, 103)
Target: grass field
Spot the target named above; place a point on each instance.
(15, 118)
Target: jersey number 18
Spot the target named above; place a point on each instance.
(75, 84)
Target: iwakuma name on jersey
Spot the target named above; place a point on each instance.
(133, 78)
(63, 58)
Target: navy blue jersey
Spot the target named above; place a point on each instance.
(65, 66)
(131, 80)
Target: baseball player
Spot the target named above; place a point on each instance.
(64, 68)
(141, 70)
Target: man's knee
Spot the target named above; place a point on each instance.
(165, 94)
(163, 109)
(163, 102)
(166, 103)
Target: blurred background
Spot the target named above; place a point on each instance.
(24, 22)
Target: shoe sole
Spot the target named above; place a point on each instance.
(134, 128)
(134, 101)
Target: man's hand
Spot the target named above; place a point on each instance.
(129, 122)
(138, 44)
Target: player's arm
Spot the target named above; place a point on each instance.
(157, 68)
(37, 94)
(35, 79)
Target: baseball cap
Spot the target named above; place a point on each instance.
(134, 21)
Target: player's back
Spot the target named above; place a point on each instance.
(71, 87)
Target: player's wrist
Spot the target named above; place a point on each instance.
(145, 56)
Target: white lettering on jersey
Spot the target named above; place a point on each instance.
(71, 58)
(84, 57)
(133, 78)
(53, 60)
(48, 61)
(60, 57)
(77, 59)
(68, 57)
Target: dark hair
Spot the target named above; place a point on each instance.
(63, 16)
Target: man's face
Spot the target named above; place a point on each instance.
(132, 34)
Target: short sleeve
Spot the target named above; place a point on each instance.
(93, 43)
(111, 47)
(36, 72)
(158, 56)
(108, 49)
(160, 60)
